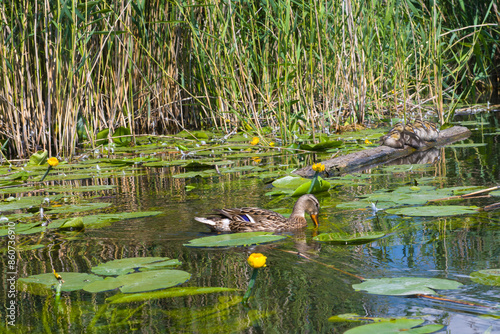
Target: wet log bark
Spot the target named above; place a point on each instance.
(382, 154)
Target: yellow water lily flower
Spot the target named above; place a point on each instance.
(319, 167)
(53, 162)
(255, 141)
(256, 159)
(257, 260)
(272, 144)
(367, 142)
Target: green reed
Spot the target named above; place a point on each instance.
(70, 69)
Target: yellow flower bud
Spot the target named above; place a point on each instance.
(272, 144)
(53, 162)
(319, 167)
(257, 260)
(367, 142)
(255, 141)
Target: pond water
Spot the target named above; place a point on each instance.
(292, 293)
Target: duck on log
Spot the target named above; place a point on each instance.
(382, 154)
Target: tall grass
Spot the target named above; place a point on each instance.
(72, 68)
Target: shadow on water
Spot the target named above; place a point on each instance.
(292, 294)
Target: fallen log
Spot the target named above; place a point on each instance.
(382, 154)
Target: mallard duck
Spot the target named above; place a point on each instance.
(411, 138)
(393, 139)
(420, 129)
(432, 131)
(257, 219)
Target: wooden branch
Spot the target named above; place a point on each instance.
(475, 193)
(378, 155)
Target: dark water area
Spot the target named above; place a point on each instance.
(292, 294)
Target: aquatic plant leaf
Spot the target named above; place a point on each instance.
(320, 186)
(73, 224)
(72, 281)
(344, 238)
(486, 277)
(405, 286)
(395, 326)
(235, 239)
(495, 193)
(102, 137)
(70, 188)
(39, 158)
(104, 219)
(434, 211)
(290, 182)
(108, 284)
(131, 264)
(20, 203)
(168, 293)
(121, 136)
(152, 280)
(79, 207)
(324, 145)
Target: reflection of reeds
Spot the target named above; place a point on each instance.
(157, 67)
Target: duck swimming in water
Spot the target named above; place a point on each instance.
(257, 219)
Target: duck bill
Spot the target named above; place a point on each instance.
(315, 219)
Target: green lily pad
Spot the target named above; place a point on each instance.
(235, 239)
(395, 326)
(486, 277)
(405, 286)
(152, 280)
(290, 182)
(72, 281)
(320, 186)
(324, 145)
(344, 238)
(168, 293)
(104, 219)
(39, 158)
(467, 145)
(121, 136)
(79, 207)
(73, 224)
(434, 211)
(131, 264)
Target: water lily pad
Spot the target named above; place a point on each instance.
(152, 280)
(104, 219)
(324, 145)
(79, 207)
(344, 238)
(434, 211)
(235, 239)
(466, 145)
(72, 281)
(405, 286)
(131, 264)
(290, 182)
(73, 224)
(395, 326)
(320, 186)
(168, 293)
(486, 277)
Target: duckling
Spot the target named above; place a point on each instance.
(420, 129)
(432, 131)
(392, 139)
(399, 127)
(411, 138)
(257, 219)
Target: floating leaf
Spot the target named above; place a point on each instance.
(467, 145)
(152, 280)
(320, 186)
(290, 182)
(102, 137)
(131, 264)
(434, 211)
(486, 277)
(168, 293)
(235, 239)
(324, 145)
(405, 286)
(344, 238)
(73, 224)
(395, 326)
(72, 281)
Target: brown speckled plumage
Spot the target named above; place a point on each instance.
(257, 219)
